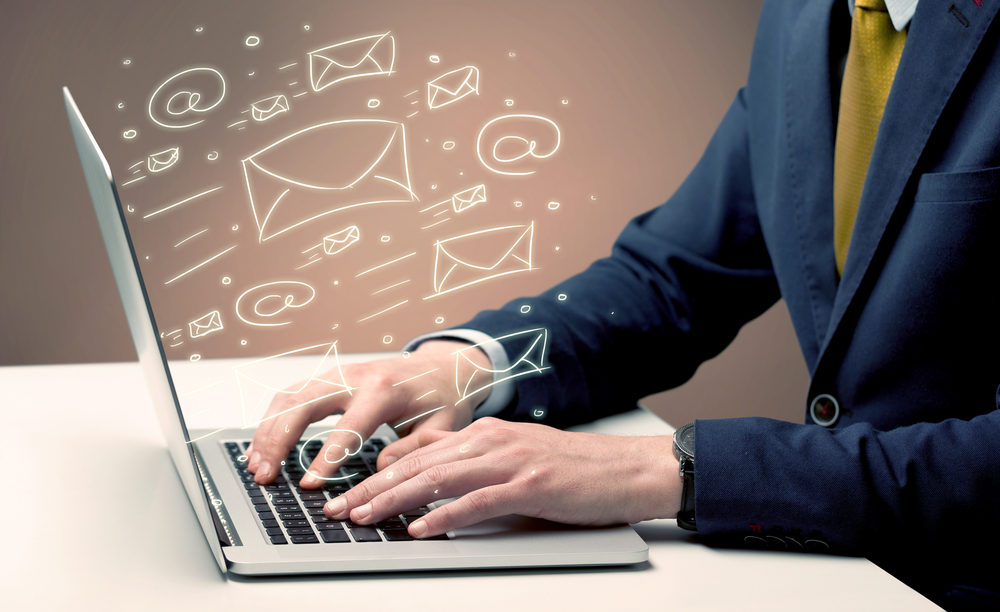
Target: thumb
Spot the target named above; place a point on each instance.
(404, 446)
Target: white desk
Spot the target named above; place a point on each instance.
(100, 522)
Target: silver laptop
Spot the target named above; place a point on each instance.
(280, 529)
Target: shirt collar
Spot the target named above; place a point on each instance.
(900, 11)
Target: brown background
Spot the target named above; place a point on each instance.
(644, 84)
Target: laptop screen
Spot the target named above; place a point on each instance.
(111, 219)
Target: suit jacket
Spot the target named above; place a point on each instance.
(908, 474)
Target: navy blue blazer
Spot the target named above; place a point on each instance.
(908, 475)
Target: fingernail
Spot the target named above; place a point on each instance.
(308, 481)
(390, 459)
(418, 529)
(362, 512)
(263, 471)
(336, 507)
(254, 460)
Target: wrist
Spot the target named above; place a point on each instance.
(659, 484)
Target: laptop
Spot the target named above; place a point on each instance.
(280, 528)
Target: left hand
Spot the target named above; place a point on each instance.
(499, 468)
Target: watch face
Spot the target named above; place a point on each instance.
(685, 439)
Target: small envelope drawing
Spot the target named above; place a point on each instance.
(454, 270)
(361, 57)
(269, 107)
(205, 325)
(452, 87)
(464, 200)
(530, 361)
(324, 169)
(286, 374)
(337, 242)
(158, 162)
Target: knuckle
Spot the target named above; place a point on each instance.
(437, 475)
(480, 501)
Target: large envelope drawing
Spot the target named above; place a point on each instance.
(464, 200)
(530, 361)
(452, 87)
(335, 243)
(325, 169)
(454, 269)
(158, 162)
(287, 374)
(361, 57)
(269, 107)
(206, 324)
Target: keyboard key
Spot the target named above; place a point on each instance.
(250, 486)
(313, 496)
(286, 507)
(320, 518)
(296, 523)
(262, 507)
(333, 535)
(288, 516)
(305, 539)
(365, 534)
(266, 516)
(316, 512)
(335, 525)
(255, 493)
(273, 531)
(314, 503)
(390, 525)
(415, 514)
(270, 523)
(396, 535)
(278, 540)
(300, 531)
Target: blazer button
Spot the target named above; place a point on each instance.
(824, 410)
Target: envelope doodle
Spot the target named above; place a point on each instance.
(508, 252)
(205, 325)
(269, 108)
(337, 242)
(452, 87)
(361, 57)
(325, 169)
(464, 200)
(158, 162)
(314, 366)
(530, 361)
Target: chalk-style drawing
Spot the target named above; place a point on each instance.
(261, 379)
(184, 201)
(129, 134)
(452, 86)
(344, 454)
(252, 41)
(385, 264)
(497, 156)
(361, 57)
(207, 261)
(187, 85)
(361, 162)
(158, 162)
(271, 299)
(382, 311)
(462, 201)
(338, 241)
(454, 270)
(269, 107)
(530, 361)
(202, 326)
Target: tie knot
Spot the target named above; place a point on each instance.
(871, 5)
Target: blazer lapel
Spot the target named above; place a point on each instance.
(939, 46)
(809, 119)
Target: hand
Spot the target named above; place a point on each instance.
(504, 468)
(381, 392)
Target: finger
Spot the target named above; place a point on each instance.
(284, 424)
(404, 446)
(412, 466)
(341, 444)
(475, 507)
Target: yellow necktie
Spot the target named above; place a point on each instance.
(871, 66)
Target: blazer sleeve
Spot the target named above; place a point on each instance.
(680, 282)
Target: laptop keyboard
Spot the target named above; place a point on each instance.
(289, 514)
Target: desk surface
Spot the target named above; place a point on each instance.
(101, 522)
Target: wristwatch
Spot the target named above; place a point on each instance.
(684, 453)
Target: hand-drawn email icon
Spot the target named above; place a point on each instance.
(452, 87)
(361, 57)
(507, 251)
(464, 200)
(530, 361)
(158, 162)
(206, 324)
(335, 243)
(324, 169)
(287, 374)
(267, 108)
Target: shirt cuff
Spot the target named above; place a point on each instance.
(501, 391)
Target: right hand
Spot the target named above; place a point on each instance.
(377, 396)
